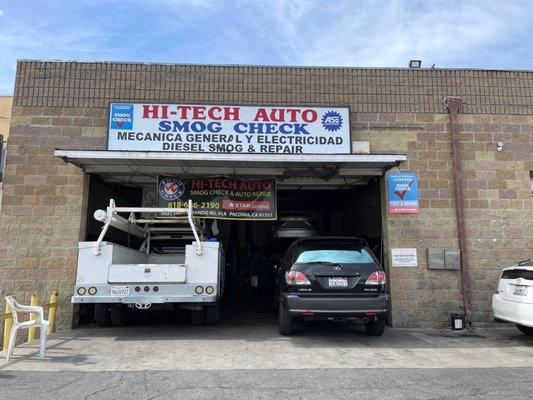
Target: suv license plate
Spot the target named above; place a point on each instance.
(338, 282)
(520, 290)
(120, 290)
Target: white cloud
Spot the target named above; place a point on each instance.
(2, 13)
(382, 33)
(174, 4)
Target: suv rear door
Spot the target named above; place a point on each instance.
(336, 267)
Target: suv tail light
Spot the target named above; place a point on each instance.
(376, 278)
(296, 278)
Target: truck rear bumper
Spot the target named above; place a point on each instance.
(136, 294)
(143, 299)
(335, 305)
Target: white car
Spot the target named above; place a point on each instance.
(513, 301)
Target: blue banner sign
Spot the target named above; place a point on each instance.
(402, 188)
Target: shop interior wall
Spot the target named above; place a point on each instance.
(99, 195)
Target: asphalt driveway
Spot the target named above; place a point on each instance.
(250, 360)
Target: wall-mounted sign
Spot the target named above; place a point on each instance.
(402, 190)
(195, 128)
(219, 197)
(404, 258)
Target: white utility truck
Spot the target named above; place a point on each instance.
(118, 279)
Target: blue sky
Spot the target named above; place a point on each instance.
(477, 34)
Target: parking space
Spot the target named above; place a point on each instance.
(256, 345)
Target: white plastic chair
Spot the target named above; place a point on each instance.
(39, 322)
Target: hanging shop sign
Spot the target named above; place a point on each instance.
(402, 188)
(404, 257)
(219, 197)
(195, 128)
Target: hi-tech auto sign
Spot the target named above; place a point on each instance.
(229, 128)
(219, 197)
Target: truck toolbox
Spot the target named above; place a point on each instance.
(146, 273)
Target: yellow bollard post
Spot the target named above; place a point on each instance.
(32, 332)
(52, 312)
(8, 324)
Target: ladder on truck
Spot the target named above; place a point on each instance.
(148, 229)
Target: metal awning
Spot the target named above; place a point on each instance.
(137, 168)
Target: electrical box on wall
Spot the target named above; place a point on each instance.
(452, 259)
(443, 258)
(435, 258)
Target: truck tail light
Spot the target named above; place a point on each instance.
(376, 278)
(296, 278)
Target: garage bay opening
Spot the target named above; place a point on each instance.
(251, 250)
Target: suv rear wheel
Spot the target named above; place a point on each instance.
(285, 321)
(525, 329)
(376, 327)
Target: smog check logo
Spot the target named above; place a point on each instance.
(171, 188)
(122, 116)
(332, 121)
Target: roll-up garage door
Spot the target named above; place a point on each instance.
(301, 171)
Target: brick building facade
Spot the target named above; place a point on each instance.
(400, 111)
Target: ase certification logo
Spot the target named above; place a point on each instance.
(332, 121)
(171, 188)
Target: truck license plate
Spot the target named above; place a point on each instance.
(338, 282)
(120, 290)
(520, 290)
